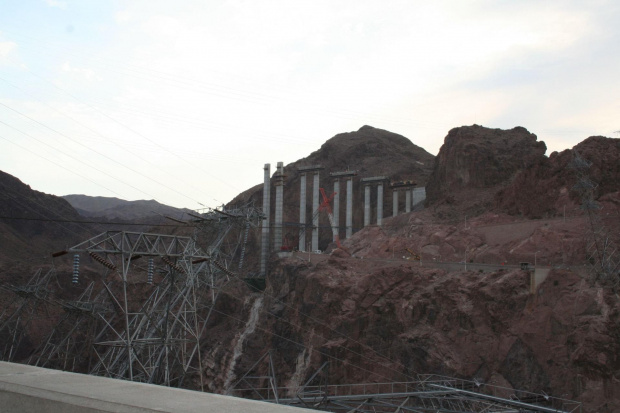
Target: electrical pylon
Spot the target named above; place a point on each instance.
(25, 304)
(602, 254)
(144, 317)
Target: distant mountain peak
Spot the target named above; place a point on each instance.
(115, 208)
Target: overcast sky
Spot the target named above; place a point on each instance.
(185, 101)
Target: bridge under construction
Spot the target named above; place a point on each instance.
(145, 316)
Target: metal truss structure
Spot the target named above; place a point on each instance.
(126, 329)
(144, 317)
(67, 346)
(225, 233)
(602, 254)
(26, 304)
(431, 393)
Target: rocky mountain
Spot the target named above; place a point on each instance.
(545, 188)
(479, 157)
(370, 152)
(474, 162)
(378, 322)
(120, 209)
(466, 308)
(33, 224)
(378, 311)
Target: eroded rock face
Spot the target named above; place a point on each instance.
(378, 323)
(545, 188)
(479, 157)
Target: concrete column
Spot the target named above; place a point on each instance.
(366, 205)
(394, 203)
(336, 229)
(408, 200)
(302, 213)
(277, 243)
(315, 208)
(419, 195)
(349, 217)
(265, 228)
(380, 204)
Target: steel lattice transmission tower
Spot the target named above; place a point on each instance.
(602, 254)
(144, 316)
(26, 303)
(67, 346)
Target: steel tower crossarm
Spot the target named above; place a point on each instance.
(141, 243)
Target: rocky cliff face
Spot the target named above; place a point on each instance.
(380, 317)
(545, 188)
(377, 322)
(480, 159)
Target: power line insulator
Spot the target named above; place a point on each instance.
(102, 261)
(76, 269)
(149, 275)
(176, 267)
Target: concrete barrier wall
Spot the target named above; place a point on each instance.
(34, 389)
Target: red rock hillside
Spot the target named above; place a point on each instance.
(545, 188)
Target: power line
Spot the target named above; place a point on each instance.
(99, 153)
(100, 135)
(90, 222)
(55, 163)
(138, 133)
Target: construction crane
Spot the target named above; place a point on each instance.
(325, 205)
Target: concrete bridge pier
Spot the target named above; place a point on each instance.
(265, 226)
(349, 217)
(277, 244)
(408, 200)
(394, 203)
(366, 205)
(348, 175)
(380, 204)
(302, 212)
(336, 227)
(367, 182)
(315, 207)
